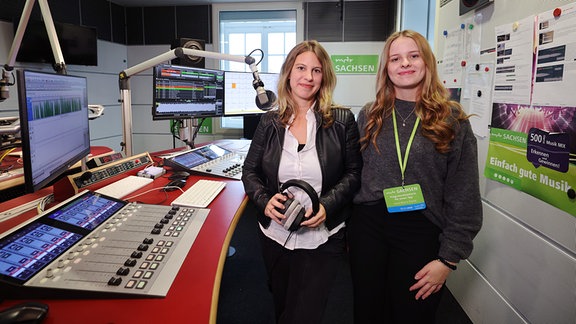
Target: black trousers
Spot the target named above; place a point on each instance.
(386, 252)
(300, 280)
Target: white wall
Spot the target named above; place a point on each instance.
(523, 267)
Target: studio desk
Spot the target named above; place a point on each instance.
(193, 295)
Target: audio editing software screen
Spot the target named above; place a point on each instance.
(239, 93)
(182, 92)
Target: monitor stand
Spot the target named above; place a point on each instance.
(250, 124)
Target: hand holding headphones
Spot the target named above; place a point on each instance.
(293, 211)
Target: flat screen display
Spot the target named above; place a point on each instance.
(239, 94)
(53, 125)
(77, 43)
(29, 249)
(190, 159)
(182, 92)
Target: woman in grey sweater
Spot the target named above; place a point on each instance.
(419, 205)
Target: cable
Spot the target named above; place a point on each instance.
(8, 151)
(9, 146)
(149, 190)
(261, 54)
(42, 204)
(196, 132)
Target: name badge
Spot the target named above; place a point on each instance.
(403, 199)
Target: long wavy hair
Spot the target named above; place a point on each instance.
(285, 102)
(438, 113)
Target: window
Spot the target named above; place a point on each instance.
(241, 32)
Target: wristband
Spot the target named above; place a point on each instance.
(446, 263)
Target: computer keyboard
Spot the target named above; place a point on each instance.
(200, 195)
(124, 186)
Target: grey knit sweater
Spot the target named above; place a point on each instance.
(449, 181)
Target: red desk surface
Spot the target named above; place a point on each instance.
(193, 296)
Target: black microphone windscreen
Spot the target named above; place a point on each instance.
(265, 100)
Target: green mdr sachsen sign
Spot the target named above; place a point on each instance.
(355, 64)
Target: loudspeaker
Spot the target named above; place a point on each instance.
(193, 61)
(468, 5)
(293, 210)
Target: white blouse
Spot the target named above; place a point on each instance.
(303, 165)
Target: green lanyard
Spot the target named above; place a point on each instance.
(401, 161)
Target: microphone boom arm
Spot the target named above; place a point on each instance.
(59, 67)
(181, 52)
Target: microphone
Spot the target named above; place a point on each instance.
(264, 98)
(4, 83)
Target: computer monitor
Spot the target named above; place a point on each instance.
(53, 125)
(239, 93)
(182, 92)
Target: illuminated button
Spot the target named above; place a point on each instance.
(130, 284)
(138, 274)
(141, 284)
(148, 274)
(169, 243)
(168, 233)
(164, 251)
(161, 242)
(155, 250)
(154, 266)
(144, 265)
(159, 258)
(176, 234)
(150, 257)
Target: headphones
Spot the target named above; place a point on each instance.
(293, 210)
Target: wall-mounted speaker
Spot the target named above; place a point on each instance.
(193, 61)
(468, 5)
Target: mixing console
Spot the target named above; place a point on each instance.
(209, 159)
(92, 245)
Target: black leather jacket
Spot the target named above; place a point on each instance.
(340, 161)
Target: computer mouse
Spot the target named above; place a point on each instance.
(24, 313)
(175, 184)
(179, 175)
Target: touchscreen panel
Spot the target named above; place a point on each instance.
(29, 249)
(190, 159)
(88, 212)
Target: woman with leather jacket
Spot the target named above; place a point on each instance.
(301, 172)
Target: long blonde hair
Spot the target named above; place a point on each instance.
(433, 103)
(285, 102)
